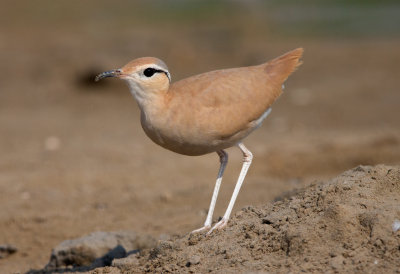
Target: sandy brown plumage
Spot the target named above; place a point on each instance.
(207, 112)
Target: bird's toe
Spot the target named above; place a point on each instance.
(220, 225)
(202, 229)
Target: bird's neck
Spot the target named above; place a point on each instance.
(151, 102)
(145, 98)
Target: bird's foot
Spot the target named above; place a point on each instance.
(202, 229)
(220, 225)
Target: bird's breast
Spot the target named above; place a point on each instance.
(170, 135)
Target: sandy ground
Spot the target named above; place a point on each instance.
(74, 158)
(343, 225)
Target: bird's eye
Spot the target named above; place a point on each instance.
(149, 72)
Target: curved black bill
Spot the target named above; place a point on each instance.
(110, 73)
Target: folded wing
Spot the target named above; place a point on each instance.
(224, 102)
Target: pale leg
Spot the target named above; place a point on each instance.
(223, 158)
(247, 158)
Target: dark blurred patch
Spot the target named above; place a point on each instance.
(85, 80)
(385, 141)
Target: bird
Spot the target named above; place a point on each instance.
(208, 112)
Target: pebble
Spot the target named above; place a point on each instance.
(6, 250)
(396, 225)
(195, 259)
(337, 262)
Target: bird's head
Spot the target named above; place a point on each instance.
(147, 77)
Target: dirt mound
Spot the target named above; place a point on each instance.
(346, 224)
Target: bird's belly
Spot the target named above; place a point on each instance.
(192, 142)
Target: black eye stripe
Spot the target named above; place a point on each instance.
(151, 71)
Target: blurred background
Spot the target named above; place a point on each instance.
(73, 156)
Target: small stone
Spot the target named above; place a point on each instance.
(337, 262)
(195, 259)
(6, 250)
(97, 249)
(396, 225)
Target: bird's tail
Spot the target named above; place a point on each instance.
(281, 67)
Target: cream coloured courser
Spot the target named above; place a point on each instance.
(208, 112)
